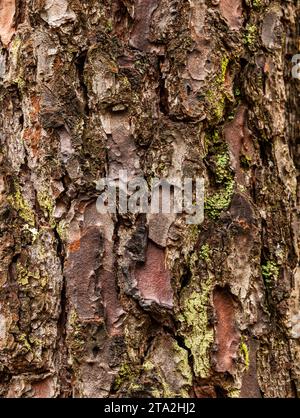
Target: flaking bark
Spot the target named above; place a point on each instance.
(128, 305)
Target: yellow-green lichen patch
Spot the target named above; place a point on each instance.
(148, 365)
(198, 335)
(26, 274)
(270, 272)
(182, 364)
(25, 347)
(61, 229)
(256, 4)
(216, 101)
(250, 35)
(233, 393)
(33, 231)
(245, 161)
(205, 252)
(245, 354)
(219, 159)
(222, 167)
(216, 95)
(76, 338)
(22, 206)
(15, 49)
(125, 374)
(220, 201)
(47, 205)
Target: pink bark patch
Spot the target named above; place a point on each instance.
(44, 388)
(7, 13)
(143, 13)
(238, 137)
(232, 12)
(153, 279)
(226, 334)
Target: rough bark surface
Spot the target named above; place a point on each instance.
(128, 305)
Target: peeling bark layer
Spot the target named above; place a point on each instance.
(118, 305)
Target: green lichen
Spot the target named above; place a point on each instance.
(205, 252)
(125, 374)
(21, 83)
(25, 275)
(234, 393)
(224, 65)
(156, 393)
(15, 54)
(23, 208)
(245, 354)
(15, 48)
(245, 161)
(224, 177)
(47, 205)
(270, 272)
(61, 229)
(148, 365)
(220, 201)
(22, 339)
(250, 35)
(109, 26)
(222, 167)
(76, 338)
(33, 231)
(193, 232)
(215, 136)
(216, 100)
(22, 275)
(216, 95)
(198, 336)
(37, 342)
(45, 202)
(256, 4)
(237, 92)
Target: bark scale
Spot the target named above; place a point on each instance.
(130, 305)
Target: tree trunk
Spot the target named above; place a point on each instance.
(114, 305)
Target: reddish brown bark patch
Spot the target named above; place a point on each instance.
(205, 392)
(44, 388)
(81, 272)
(240, 143)
(32, 137)
(153, 279)
(226, 335)
(7, 13)
(92, 288)
(113, 310)
(250, 386)
(232, 12)
(143, 12)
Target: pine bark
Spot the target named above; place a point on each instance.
(146, 306)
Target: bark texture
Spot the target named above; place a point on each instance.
(125, 305)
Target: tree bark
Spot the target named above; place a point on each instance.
(121, 305)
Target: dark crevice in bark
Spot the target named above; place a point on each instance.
(80, 65)
(163, 92)
(181, 343)
(185, 280)
(220, 392)
(62, 359)
(20, 12)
